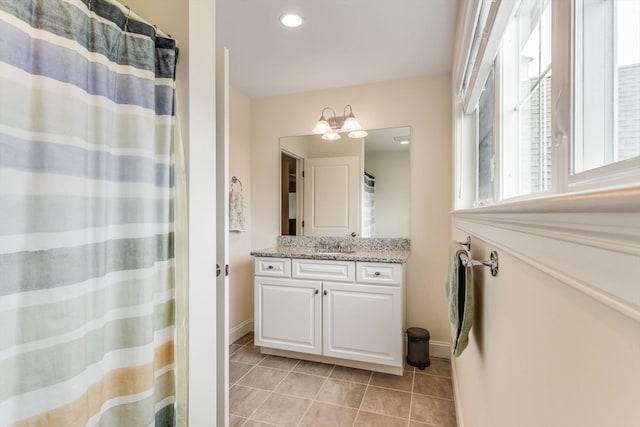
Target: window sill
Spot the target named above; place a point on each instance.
(588, 240)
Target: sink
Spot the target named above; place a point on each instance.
(334, 252)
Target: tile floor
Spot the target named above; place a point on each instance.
(277, 391)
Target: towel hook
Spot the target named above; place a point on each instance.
(235, 180)
(492, 262)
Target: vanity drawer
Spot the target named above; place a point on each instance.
(340, 271)
(274, 267)
(379, 273)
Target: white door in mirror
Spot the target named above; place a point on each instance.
(331, 196)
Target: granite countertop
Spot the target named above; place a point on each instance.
(359, 254)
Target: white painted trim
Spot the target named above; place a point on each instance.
(240, 330)
(589, 241)
(457, 397)
(439, 349)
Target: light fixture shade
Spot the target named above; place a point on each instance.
(358, 134)
(331, 136)
(321, 127)
(351, 124)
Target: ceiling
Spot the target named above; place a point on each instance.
(383, 140)
(340, 43)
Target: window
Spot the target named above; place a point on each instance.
(526, 101)
(606, 83)
(486, 120)
(566, 112)
(566, 126)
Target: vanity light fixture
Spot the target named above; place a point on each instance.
(329, 126)
(290, 20)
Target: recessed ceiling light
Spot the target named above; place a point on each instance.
(291, 20)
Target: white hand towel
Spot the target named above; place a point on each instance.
(236, 211)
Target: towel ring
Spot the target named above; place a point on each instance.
(491, 263)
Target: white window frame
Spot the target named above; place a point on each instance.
(619, 173)
(586, 234)
(514, 154)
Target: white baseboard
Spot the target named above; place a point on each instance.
(439, 349)
(240, 330)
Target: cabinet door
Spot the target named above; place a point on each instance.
(363, 322)
(287, 314)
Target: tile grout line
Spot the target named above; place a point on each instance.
(253, 388)
(362, 400)
(245, 374)
(271, 392)
(413, 380)
(313, 399)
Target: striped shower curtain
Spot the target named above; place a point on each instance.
(368, 206)
(86, 223)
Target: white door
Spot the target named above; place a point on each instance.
(362, 322)
(202, 349)
(331, 196)
(288, 314)
(222, 237)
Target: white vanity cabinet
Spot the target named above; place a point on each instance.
(348, 310)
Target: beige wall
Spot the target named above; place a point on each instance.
(240, 262)
(544, 354)
(423, 104)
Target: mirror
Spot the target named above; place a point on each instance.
(346, 187)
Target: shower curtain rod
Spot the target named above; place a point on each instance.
(131, 14)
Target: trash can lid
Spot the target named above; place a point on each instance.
(416, 332)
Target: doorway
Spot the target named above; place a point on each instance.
(289, 196)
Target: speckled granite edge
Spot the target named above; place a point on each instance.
(358, 243)
(362, 249)
(399, 256)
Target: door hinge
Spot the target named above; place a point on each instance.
(303, 174)
(226, 270)
(302, 223)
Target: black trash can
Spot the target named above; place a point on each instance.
(418, 347)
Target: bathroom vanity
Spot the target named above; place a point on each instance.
(345, 307)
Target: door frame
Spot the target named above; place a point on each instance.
(201, 355)
(222, 237)
(299, 190)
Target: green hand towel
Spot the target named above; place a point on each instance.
(459, 288)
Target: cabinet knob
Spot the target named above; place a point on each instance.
(316, 292)
(270, 267)
(377, 273)
(325, 292)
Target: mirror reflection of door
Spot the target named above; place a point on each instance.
(288, 196)
(332, 196)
